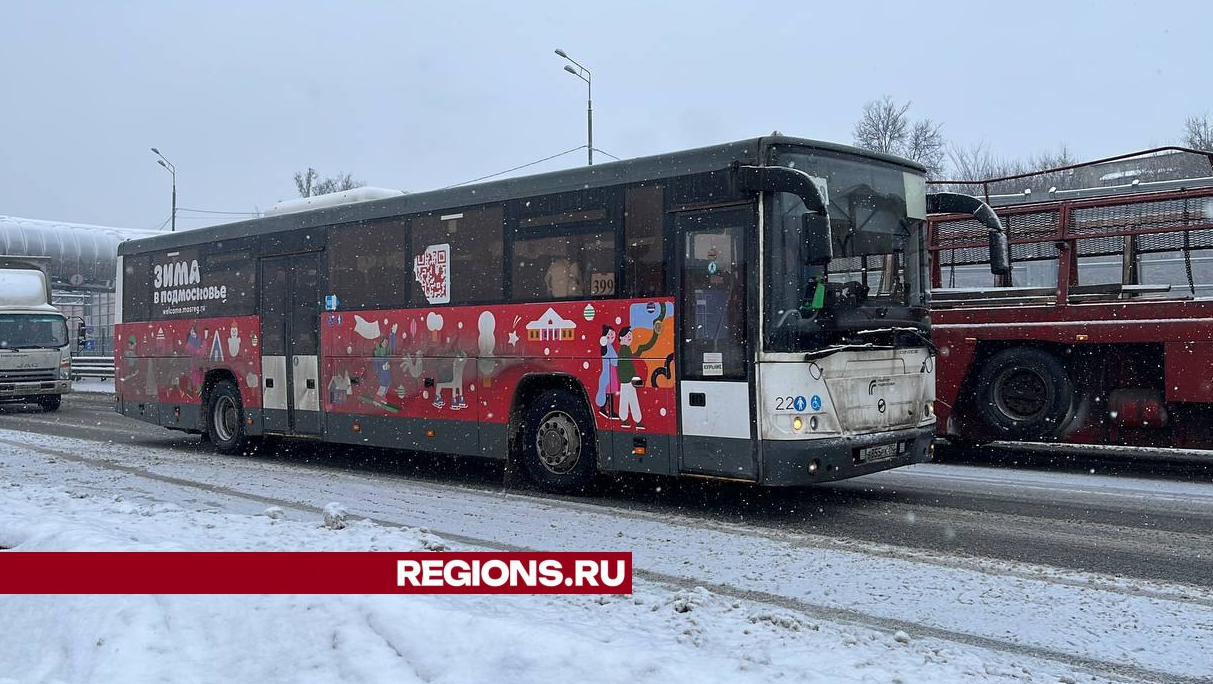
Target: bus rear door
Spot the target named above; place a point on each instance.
(290, 317)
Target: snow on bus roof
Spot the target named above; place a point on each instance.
(332, 199)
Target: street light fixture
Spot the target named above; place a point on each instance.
(168, 166)
(584, 74)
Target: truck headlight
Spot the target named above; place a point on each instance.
(65, 370)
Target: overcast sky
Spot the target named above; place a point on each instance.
(240, 95)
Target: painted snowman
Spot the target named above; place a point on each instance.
(487, 324)
(233, 340)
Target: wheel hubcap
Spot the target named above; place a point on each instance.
(558, 443)
(1021, 393)
(227, 418)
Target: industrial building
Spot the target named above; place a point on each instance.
(83, 270)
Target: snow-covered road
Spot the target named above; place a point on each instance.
(1012, 612)
(661, 633)
(1139, 526)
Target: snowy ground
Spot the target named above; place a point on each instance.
(787, 608)
(659, 634)
(93, 385)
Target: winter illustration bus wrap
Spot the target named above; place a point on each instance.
(464, 363)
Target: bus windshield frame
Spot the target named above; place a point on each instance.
(877, 277)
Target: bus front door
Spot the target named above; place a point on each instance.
(714, 388)
(290, 317)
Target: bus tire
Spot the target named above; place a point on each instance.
(225, 418)
(558, 451)
(1025, 393)
(50, 402)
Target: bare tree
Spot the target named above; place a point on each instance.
(309, 183)
(1198, 133)
(927, 147)
(977, 162)
(885, 126)
(1049, 160)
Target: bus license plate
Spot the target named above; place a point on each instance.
(881, 452)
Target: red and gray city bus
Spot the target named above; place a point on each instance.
(754, 311)
(1102, 331)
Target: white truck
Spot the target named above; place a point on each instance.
(35, 359)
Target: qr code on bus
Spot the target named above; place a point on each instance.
(431, 268)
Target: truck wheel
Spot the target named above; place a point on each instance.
(50, 402)
(225, 418)
(558, 451)
(1025, 393)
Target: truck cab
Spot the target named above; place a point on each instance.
(35, 359)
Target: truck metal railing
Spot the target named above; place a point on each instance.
(1124, 227)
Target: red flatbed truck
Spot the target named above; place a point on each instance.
(1102, 334)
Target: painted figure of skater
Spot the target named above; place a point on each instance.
(629, 405)
(382, 353)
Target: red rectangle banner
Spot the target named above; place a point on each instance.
(421, 572)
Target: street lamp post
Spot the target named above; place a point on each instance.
(168, 166)
(584, 74)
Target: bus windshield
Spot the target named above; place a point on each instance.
(25, 331)
(877, 277)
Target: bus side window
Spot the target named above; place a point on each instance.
(474, 240)
(136, 288)
(236, 270)
(369, 265)
(644, 247)
(565, 245)
(564, 266)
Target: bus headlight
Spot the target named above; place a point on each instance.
(797, 424)
(813, 423)
(928, 409)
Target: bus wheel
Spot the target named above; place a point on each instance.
(225, 418)
(50, 402)
(1025, 393)
(558, 450)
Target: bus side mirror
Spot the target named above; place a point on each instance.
(819, 244)
(1000, 253)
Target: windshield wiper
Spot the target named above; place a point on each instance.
(830, 351)
(922, 337)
